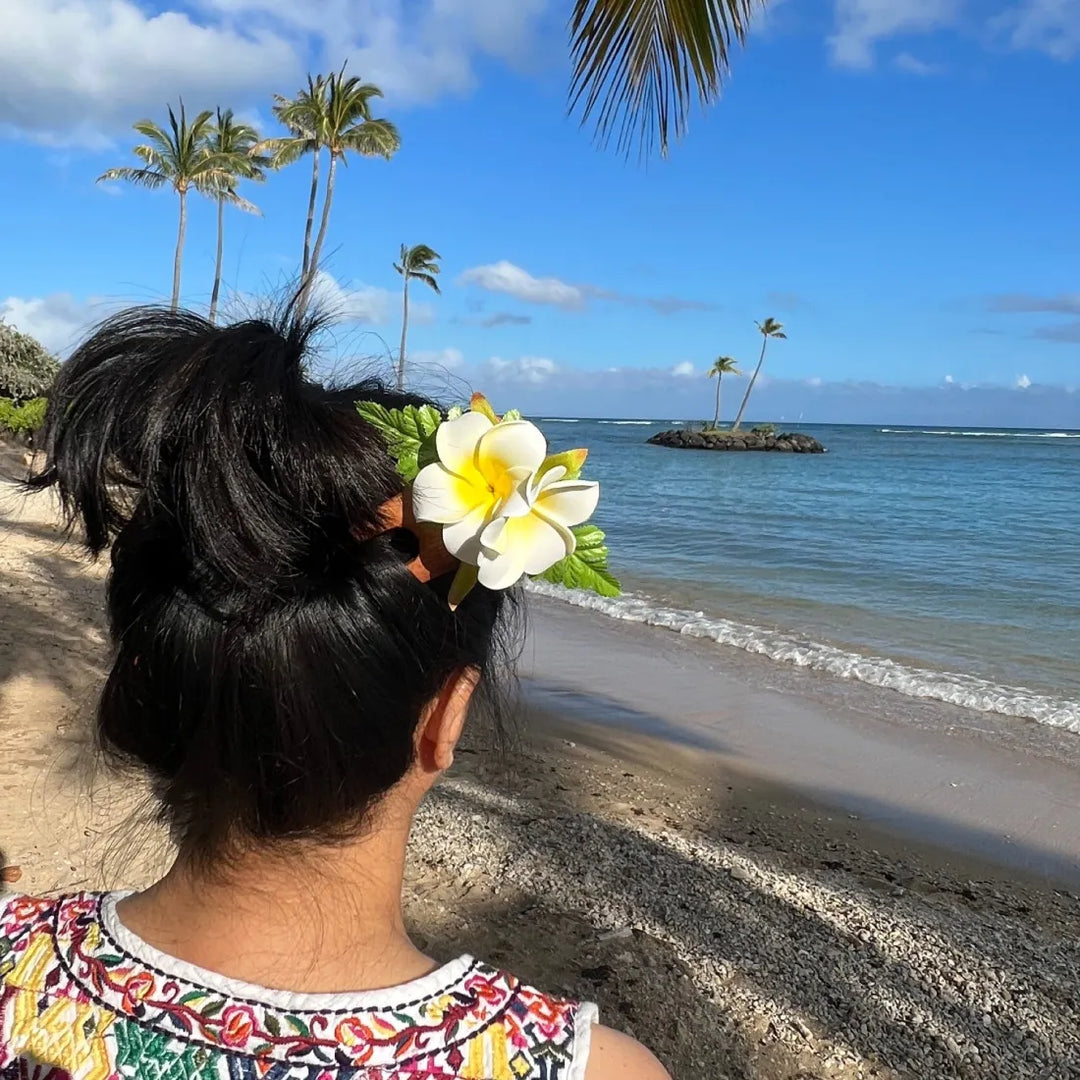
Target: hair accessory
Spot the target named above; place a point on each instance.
(507, 509)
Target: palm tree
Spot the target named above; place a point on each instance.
(304, 116)
(177, 157)
(770, 328)
(422, 263)
(233, 144)
(637, 63)
(725, 365)
(347, 126)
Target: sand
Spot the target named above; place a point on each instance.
(743, 920)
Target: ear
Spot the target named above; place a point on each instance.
(443, 722)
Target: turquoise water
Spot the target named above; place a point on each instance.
(939, 564)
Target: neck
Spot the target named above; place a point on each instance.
(309, 918)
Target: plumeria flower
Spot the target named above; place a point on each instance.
(506, 508)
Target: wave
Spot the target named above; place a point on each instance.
(631, 423)
(966, 691)
(558, 420)
(986, 434)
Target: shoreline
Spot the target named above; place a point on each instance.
(945, 779)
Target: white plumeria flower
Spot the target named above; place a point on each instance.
(500, 509)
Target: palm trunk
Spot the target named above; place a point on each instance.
(404, 332)
(313, 265)
(311, 211)
(220, 256)
(716, 419)
(750, 388)
(179, 250)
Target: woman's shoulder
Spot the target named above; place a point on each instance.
(615, 1056)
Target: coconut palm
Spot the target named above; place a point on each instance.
(725, 365)
(422, 263)
(637, 63)
(770, 328)
(304, 116)
(176, 157)
(347, 127)
(233, 144)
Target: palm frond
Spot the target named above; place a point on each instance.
(638, 63)
(421, 256)
(372, 138)
(146, 178)
(429, 280)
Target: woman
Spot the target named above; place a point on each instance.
(295, 657)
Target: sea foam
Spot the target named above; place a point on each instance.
(966, 691)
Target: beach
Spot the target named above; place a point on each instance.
(759, 873)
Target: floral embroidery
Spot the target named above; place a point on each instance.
(74, 1002)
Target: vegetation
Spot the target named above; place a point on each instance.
(27, 369)
(233, 145)
(637, 64)
(22, 419)
(724, 365)
(763, 429)
(421, 263)
(770, 328)
(177, 157)
(333, 114)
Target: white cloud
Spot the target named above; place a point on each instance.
(912, 65)
(813, 381)
(360, 304)
(80, 71)
(533, 370)
(504, 277)
(860, 24)
(58, 321)
(949, 380)
(1049, 26)
(684, 370)
(1023, 382)
(73, 70)
(416, 50)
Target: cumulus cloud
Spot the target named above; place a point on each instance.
(511, 280)
(58, 321)
(74, 71)
(1048, 26)
(861, 24)
(1022, 382)
(531, 370)
(364, 304)
(79, 71)
(912, 65)
(684, 370)
(949, 380)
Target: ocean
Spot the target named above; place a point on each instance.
(940, 564)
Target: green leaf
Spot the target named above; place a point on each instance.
(299, 1026)
(513, 414)
(587, 568)
(409, 434)
(273, 1025)
(212, 1009)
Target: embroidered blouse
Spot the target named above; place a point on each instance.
(82, 998)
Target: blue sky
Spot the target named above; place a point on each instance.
(895, 180)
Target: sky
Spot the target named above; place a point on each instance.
(894, 180)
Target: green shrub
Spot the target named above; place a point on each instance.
(22, 419)
(26, 368)
(763, 429)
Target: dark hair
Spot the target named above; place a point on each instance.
(270, 669)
